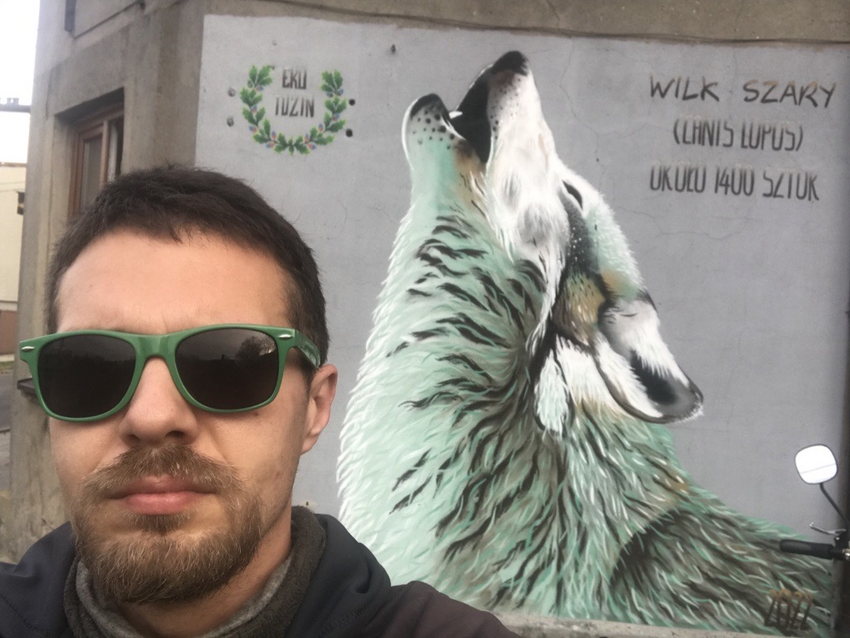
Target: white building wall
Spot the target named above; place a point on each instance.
(12, 178)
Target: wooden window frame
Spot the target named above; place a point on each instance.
(94, 125)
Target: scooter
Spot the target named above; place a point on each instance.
(816, 465)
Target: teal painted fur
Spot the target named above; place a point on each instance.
(506, 439)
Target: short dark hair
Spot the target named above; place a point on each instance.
(174, 202)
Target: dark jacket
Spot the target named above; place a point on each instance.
(349, 596)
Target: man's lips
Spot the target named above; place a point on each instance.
(159, 495)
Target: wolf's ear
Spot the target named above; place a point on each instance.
(637, 366)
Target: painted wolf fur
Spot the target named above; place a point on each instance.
(504, 441)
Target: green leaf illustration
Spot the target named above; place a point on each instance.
(251, 97)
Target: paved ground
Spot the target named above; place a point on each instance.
(5, 423)
(5, 400)
(4, 461)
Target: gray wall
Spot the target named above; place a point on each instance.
(751, 287)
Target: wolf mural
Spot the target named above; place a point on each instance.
(505, 440)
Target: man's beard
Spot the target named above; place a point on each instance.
(156, 565)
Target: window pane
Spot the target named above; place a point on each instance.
(90, 179)
(116, 146)
(98, 149)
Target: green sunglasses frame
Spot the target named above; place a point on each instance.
(164, 346)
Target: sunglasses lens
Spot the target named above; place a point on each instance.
(229, 368)
(84, 376)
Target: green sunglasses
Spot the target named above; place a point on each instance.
(86, 375)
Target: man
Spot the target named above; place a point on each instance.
(184, 376)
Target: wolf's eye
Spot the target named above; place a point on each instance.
(572, 191)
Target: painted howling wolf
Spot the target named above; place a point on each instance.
(505, 440)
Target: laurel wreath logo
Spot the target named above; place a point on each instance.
(320, 135)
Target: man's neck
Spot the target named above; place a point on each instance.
(197, 617)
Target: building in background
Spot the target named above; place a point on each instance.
(12, 184)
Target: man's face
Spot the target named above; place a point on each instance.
(209, 492)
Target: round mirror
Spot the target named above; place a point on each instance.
(816, 464)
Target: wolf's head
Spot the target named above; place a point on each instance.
(596, 314)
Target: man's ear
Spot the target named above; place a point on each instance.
(322, 391)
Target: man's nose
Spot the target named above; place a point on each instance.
(158, 413)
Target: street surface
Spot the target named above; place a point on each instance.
(5, 424)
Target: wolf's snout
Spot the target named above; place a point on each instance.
(472, 121)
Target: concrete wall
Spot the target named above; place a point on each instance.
(540, 627)
(713, 260)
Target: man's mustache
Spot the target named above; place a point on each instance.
(179, 462)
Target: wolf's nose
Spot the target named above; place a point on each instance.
(511, 61)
